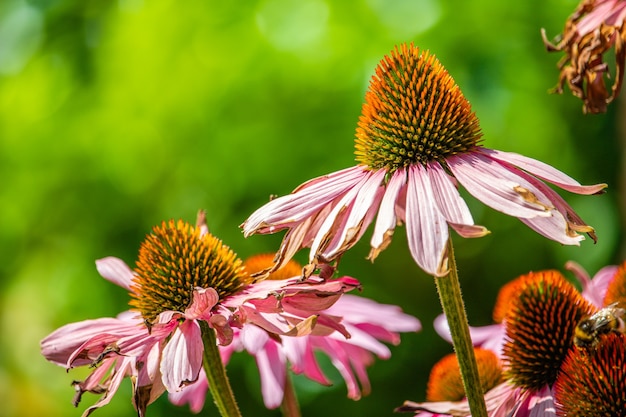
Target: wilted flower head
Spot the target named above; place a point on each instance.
(184, 275)
(591, 31)
(367, 324)
(417, 138)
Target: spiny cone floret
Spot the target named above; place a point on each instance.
(539, 328)
(445, 383)
(592, 382)
(414, 112)
(175, 259)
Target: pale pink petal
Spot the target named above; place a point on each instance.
(497, 186)
(544, 171)
(299, 352)
(253, 338)
(553, 227)
(303, 202)
(114, 384)
(182, 356)
(273, 371)
(59, 345)
(451, 204)
(427, 230)
(116, 271)
(192, 394)
(594, 290)
(490, 337)
(386, 220)
(358, 215)
(335, 225)
(361, 310)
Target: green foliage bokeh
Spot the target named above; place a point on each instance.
(116, 115)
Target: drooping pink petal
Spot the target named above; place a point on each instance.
(61, 344)
(490, 337)
(497, 186)
(544, 171)
(182, 356)
(451, 204)
(116, 271)
(426, 228)
(337, 225)
(272, 369)
(553, 227)
(386, 220)
(358, 214)
(192, 394)
(303, 202)
(362, 310)
(299, 352)
(114, 384)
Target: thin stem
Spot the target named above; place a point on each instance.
(216, 374)
(453, 307)
(289, 406)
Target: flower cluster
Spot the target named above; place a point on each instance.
(194, 303)
(184, 279)
(557, 349)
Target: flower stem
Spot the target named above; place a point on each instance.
(216, 374)
(449, 291)
(289, 406)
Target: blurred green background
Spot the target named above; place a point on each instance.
(116, 115)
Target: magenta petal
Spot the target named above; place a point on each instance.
(182, 356)
(116, 271)
(544, 171)
(426, 228)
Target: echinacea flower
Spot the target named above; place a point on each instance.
(366, 322)
(445, 393)
(592, 30)
(417, 138)
(185, 277)
(539, 329)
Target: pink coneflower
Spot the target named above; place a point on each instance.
(366, 322)
(416, 139)
(591, 31)
(185, 279)
(540, 326)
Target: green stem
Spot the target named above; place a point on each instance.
(216, 374)
(289, 406)
(453, 307)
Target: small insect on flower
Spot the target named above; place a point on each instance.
(605, 320)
